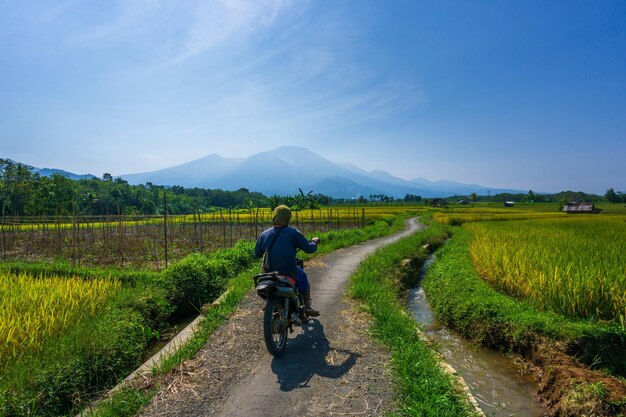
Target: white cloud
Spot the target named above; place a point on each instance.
(121, 22)
(227, 21)
(179, 30)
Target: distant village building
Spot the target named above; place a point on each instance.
(439, 202)
(509, 203)
(576, 207)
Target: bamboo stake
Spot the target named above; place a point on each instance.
(165, 224)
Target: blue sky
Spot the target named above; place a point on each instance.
(518, 94)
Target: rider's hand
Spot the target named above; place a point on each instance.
(316, 240)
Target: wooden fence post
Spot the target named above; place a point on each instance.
(165, 224)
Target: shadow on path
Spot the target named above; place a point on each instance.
(308, 354)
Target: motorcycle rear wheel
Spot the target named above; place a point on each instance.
(275, 326)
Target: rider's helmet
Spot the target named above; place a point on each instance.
(281, 215)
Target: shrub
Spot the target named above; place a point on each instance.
(150, 301)
(193, 281)
(199, 279)
(239, 256)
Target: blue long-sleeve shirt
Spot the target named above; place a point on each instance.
(283, 254)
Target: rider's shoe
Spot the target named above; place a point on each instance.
(312, 312)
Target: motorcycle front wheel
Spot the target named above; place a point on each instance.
(275, 326)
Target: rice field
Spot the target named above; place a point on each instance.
(33, 309)
(457, 218)
(339, 214)
(152, 242)
(481, 212)
(574, 266)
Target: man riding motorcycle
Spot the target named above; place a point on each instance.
(284, 241)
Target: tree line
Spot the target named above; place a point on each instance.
(26, 193)
(531, 196)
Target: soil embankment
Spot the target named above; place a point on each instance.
(331, 366)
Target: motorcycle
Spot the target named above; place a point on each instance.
(284, 308)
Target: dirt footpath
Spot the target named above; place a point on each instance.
(331, 366)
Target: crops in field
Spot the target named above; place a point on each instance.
(459, 217)
(481, 212)
(345, 214)
(152, 242)
(571, 265)
(32, 310)
(258, 215)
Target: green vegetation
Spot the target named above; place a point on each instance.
(33, 309)
(126, 276)
(572, 266)
(532, 197)
(461, 216)
(380, 284)
(464, 301)
(103, 346)
(126, 403)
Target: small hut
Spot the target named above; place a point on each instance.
(584, 207)
(509, 203)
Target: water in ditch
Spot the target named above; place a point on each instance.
(175, 328)
(498, 383)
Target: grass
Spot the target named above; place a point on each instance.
(125, 404)
(379, 284)
(126, 276)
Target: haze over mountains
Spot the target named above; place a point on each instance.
(48, 172)
(288, 168)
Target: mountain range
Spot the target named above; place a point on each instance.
(48, 172)
(287, 169)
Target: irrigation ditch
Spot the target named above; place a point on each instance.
(500, 384)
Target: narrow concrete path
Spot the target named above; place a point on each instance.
(275, 380)
(331, 366)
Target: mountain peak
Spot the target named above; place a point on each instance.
(285, 169)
